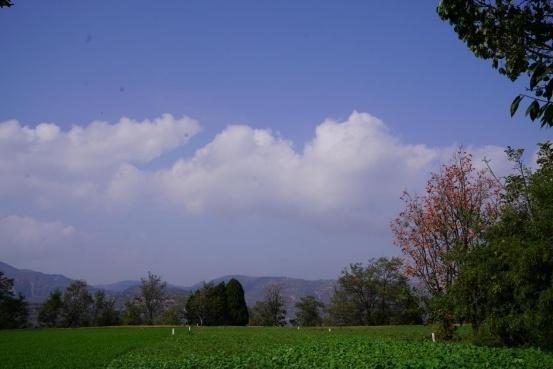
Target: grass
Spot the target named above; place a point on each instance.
(252, 347)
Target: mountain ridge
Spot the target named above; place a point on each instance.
(36, 286)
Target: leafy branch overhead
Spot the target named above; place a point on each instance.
(517, 36)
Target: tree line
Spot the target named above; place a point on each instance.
(373, 295)
(376, 294)
(76, 306)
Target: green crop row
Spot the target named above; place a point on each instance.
(353, 351)
(81, 348)
(248, 347)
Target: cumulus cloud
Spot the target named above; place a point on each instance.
(23, 237)
(339, 189)
(350, 172)
(75, 163)
(97, 145)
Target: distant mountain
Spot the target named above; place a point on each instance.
(36, 286)
(118, 286)
(131, 288)
(134, 291)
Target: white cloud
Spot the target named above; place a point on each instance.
(98, 145)
(24, 237)
(45, 160)
(351, 172)
(349, 175)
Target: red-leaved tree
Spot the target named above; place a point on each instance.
(436, 229)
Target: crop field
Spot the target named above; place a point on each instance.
(251, 347)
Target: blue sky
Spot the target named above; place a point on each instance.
(279, 67)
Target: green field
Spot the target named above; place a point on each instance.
(249, 347)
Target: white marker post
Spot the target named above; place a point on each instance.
(330, 330)
(433, 337)
(189, 329)
(173, 332)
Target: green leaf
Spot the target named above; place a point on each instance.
(547, 117)
(515, 103)
(537, 75)
(533, 110)
(548, 92)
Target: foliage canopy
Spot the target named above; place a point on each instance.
(517, 36)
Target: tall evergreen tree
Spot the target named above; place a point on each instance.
(236, 304)
(208, 305)
(221, 304)
(217, 297)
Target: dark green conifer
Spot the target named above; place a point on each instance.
(236, 304)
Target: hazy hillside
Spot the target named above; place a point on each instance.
(118, 286)
(36, 286)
